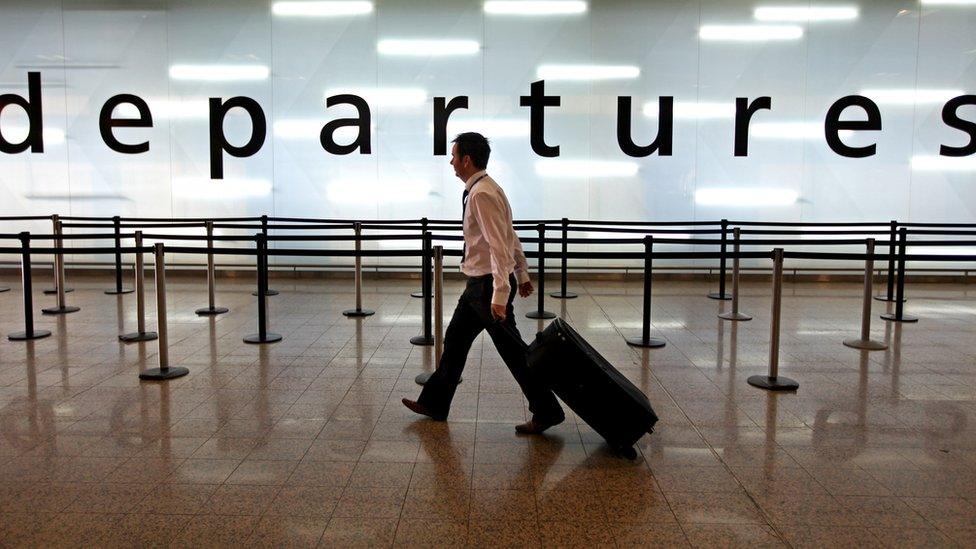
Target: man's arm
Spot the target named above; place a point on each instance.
(495, 226)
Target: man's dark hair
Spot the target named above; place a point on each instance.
(475, 145)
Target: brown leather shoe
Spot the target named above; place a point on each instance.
(536, 427)
(419, 408)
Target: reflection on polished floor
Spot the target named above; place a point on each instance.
(305, 442)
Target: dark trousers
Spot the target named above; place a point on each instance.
(472, 315)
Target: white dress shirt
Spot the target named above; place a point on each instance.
(492, 247)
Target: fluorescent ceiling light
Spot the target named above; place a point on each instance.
(926, 163)
(427, 47)
(308, 129)
(172, 109)
(587, 72)
(693, 111)
(199, 188)
(585, 168)
(908, 96)
(370, 192)
(791, 130)
(750, 33)
(531, 7)
(321, 9)
(744, 197)
(218, 73)
(385, 97)
(17, 134)
(949, 2)
(796, 14)
(492, 129)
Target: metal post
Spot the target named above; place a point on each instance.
(720, 294)
(59, 289)
(211, 308)
(358, 311)
(645, 340)
(423, 231)
(426, 338)
(263, 335)
(117, 222)
(58, 243)
(164, 371)
(140, 334)
(25, 275)
(899, 315)
(421, 379)
(773, 381)
(865, 342)
(541, 313)
(564, 267)
(889, 294)
(735, 315)
(264, 231)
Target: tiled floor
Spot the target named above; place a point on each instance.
(305, 442)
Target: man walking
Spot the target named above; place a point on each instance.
(492, 253)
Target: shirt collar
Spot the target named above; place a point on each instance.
(474, 177)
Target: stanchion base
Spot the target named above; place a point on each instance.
(160, 374)
(357, 313)
(865, 344)
(207, 311)
(421, 379)
(649, 343)
(778, 383)
(136, 336)
(61, 310)
(22, 336)
(267, 293)
(560, 295)
(717, 295)
(4, 290)
(119, 292)
(735, 316)
(269, 337)
(422, 340)
(885, 299)
(54, 291)
(418, 295)
(540, 315)
(890, 317)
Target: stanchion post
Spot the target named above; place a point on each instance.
(541, 313)
(164, 371)
(358, 312)
(438, 303)
(899, 315)
(29, 332)
(645, 340)
(426, 338)
(774, 381)
(563, 293)
(263, 335)
(423, 230)
(61, 308)
(140, 334)
(720, 294)
(211, 308)
(735, 315)
(59, 244)
(889, 294)
(264, 231)
(865, 342)
(117, 225)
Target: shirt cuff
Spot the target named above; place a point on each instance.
(522, 276)
(500, 296)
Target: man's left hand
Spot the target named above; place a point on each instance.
(525, 289)
(498, 311)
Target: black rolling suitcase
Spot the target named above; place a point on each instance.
(605, 399)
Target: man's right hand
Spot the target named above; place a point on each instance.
(526, 289)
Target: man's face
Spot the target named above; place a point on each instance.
(457, 163)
